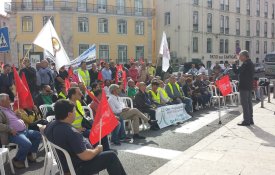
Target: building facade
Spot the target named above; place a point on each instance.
(121, 29)
(216, 30)
(5, 57)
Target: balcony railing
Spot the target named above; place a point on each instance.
(78, 7)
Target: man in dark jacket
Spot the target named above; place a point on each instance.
(246, 74)
(30, 74)
(144, 104)
(6, 81)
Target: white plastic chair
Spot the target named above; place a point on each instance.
(125, 100)
(231, 95)
(50, 118)
(44, 109)
(50, 164)
(215, 95)
(52, 147)
(5, 157)
(236, 93)
(91, 117)
(16, 149)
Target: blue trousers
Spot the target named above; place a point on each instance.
(119, 132)
(28, 142)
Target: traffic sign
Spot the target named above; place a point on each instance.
(4, 39)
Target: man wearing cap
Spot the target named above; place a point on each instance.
(246, 74)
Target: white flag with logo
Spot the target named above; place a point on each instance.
(48, 39)
(164, 51)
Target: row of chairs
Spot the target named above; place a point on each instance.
(216, 97)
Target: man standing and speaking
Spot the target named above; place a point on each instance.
(246, 74)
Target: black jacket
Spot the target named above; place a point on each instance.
(246, 75)
(142, 101)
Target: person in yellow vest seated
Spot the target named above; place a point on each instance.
(80, 123)
(176, 94)
(154, 94)
(164, 98)
(84, 73)
(63, 93)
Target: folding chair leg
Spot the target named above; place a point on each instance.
(10, 162)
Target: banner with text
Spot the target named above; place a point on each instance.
(171, 114)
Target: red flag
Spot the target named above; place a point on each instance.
(22, 92)
(99, 76)
(124, 77)
(118, 71)
(108, 121)
(224, 85)
(70, 72)
(92, 96)
(67, 84)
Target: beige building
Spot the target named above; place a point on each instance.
(215, 30)
(121, 29)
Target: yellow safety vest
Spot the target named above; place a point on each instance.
(151, 70)
(78, 117)
(171, 88)
(155, 97)
(61, 94)
(165, 95)
(85, 76)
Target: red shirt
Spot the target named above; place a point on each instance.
(133, 73)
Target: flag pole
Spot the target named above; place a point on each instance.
(17, 101)
(100, 130)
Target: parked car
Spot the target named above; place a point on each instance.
(259, 67)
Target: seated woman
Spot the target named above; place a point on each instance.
(119, 132)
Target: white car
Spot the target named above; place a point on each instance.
(259, 67)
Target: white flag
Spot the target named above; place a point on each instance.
(164, 51)
(48, 39)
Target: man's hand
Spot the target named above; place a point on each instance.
(13, 132)
(18, 114)
(99, 148)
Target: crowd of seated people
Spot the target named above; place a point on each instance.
(147, 90)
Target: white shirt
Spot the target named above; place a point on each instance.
(116, 104)
(202, 70)
(106, 89)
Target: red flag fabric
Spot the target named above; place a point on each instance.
(118, 71)
(92, 96)
(67, 84)
(224, 85)
(70, 72)
(24, 98)
(124, 77)
(108, 121)
(99, 76)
